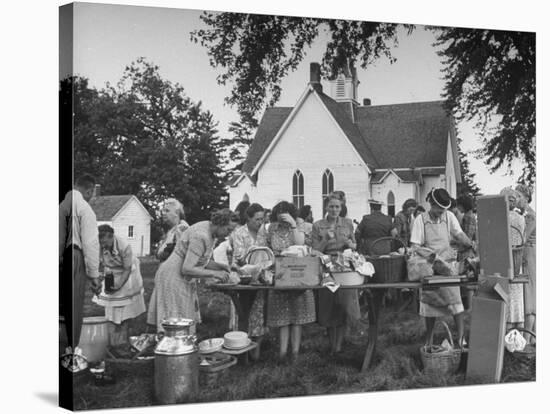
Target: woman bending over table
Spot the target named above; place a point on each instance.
(331, 235)
(435, 229)
(175, 292)
(288, 310)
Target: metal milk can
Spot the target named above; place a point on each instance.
(176, 363)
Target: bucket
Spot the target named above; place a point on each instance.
(94, 337)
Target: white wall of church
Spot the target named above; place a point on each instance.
(236, 194)
(401, 191)
(312, 143)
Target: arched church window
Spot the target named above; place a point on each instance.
(327, 185)
(391, 204)
(298, 189)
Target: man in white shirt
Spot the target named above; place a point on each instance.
(78, 254)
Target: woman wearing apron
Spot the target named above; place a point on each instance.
(122, 291)
(435, 229)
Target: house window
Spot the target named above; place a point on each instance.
(130, 232)
(327, 186)
(298, 189)
(391, 204)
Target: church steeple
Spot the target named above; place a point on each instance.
(343, 86)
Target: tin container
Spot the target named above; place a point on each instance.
(94, 337)
(176, 363)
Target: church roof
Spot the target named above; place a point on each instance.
(270, 123)
(409, 135)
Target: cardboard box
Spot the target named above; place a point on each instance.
(297, 271)
(487, 331)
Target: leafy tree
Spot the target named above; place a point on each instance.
(468, 185)
(490, 75)
(80, 103)
(238, 143)
(154, 143)
(258, 51)
(490, 78)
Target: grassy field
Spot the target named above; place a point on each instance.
(396, 365)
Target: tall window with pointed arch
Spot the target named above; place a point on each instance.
(391, 204)
(327, 185)
(298, 189)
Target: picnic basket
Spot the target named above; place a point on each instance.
(442, 361)
(388, 269)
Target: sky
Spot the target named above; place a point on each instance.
(107, 38)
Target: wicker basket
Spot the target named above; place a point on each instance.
(129, 367)
(529, 352)
(443, 362)
(388, 269)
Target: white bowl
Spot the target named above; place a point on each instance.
(235, 339)
(210, 345)
(348, 278)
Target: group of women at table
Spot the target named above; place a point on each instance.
(175, 292)
(186, 255)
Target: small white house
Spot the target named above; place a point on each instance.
(325, 143)
(128, 217)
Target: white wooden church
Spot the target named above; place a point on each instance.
(325, 143)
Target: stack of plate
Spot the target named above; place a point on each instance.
(236, 340)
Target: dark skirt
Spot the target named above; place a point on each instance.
(336, 308)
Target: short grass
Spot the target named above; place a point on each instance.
(396, 366)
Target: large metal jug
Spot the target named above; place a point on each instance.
(176, 363)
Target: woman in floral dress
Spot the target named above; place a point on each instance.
(515, 309)
(529, 258)
(241, 241)
(289, 310)
(175, 292)
(172, 216)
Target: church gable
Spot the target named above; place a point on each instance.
(312, 138)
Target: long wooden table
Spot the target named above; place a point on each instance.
(243, 297)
